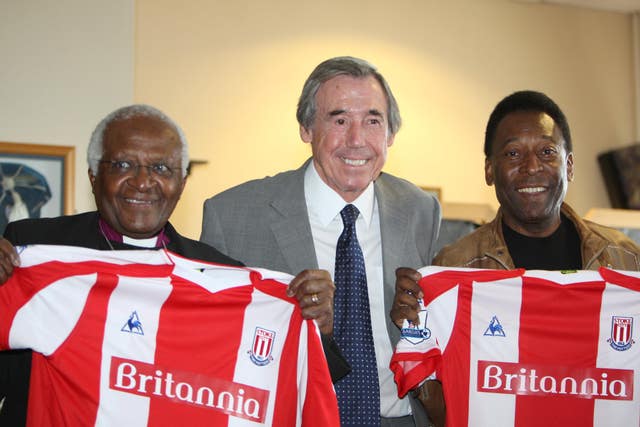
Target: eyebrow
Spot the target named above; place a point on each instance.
(546, 137)
(372, 112)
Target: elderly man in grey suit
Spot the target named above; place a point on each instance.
(297, 220)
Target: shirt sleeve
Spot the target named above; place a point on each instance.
(40, 305)
(418, 354)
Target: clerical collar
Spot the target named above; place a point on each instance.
(158, 241)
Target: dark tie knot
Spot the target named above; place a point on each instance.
(349, 215)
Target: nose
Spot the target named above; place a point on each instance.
(531, 164)
(355, 136)
(141, 178)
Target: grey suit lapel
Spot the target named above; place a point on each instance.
(394, 226)
(394, 223)
(290, 224)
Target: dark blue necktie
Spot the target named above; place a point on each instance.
(358, 393)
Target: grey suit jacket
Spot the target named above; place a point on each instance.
(265, 223)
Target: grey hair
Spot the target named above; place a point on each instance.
(343, 65)
(96, 144)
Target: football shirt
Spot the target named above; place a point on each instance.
(138, 338)
(527, 348)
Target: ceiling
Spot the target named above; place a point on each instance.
(624, 6)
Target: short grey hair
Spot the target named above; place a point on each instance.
(96, 144)
(343, 65)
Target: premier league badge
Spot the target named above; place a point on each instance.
(260, 352)
(416, 333)
(621, 333)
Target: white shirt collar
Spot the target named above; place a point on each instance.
(325, 204)
(141, 243)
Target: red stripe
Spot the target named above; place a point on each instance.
(622, 280)
(558, 325)
(321, 405)
(455, 383)
(411, 368)
(175, 343)
(284, 413)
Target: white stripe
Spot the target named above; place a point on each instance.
(618, 301)
(441, 317)
(212, 278)
(145, 296)
(565, 277)
(37, 254)
(502, 299)
(263, 312)
(40, 325)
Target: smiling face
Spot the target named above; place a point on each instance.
(350, 134)
(138, 203)
(530, 168)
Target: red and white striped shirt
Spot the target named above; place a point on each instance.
(516, 348)
(137, 338)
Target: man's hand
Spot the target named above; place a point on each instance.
(314, 291)
(8, 259)
(405, 303)
(432, 398)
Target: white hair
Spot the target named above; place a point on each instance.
(96, 144)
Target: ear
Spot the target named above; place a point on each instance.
(488, 171)
(92, 180)
(306, 134)
(570, 167)
(390, 140)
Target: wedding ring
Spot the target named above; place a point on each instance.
(314, 298)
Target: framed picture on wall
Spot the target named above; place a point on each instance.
(36, 181)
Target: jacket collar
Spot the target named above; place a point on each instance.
(591, 245)
(290, 224)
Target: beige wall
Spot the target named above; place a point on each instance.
(64, 66)
(230, 73)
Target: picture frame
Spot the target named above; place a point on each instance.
(436, 191)
(36, 180)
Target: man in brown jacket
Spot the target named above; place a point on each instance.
(529, 159)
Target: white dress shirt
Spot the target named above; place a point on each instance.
(324, 206)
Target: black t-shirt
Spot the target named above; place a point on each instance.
(559, 251)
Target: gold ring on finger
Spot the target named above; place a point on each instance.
(314, 298)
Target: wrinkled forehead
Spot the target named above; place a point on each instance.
(141, 132)
(350, 91)
(141, 124)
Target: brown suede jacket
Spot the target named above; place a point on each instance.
(485, 247)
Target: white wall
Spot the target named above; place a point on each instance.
(64, 65)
